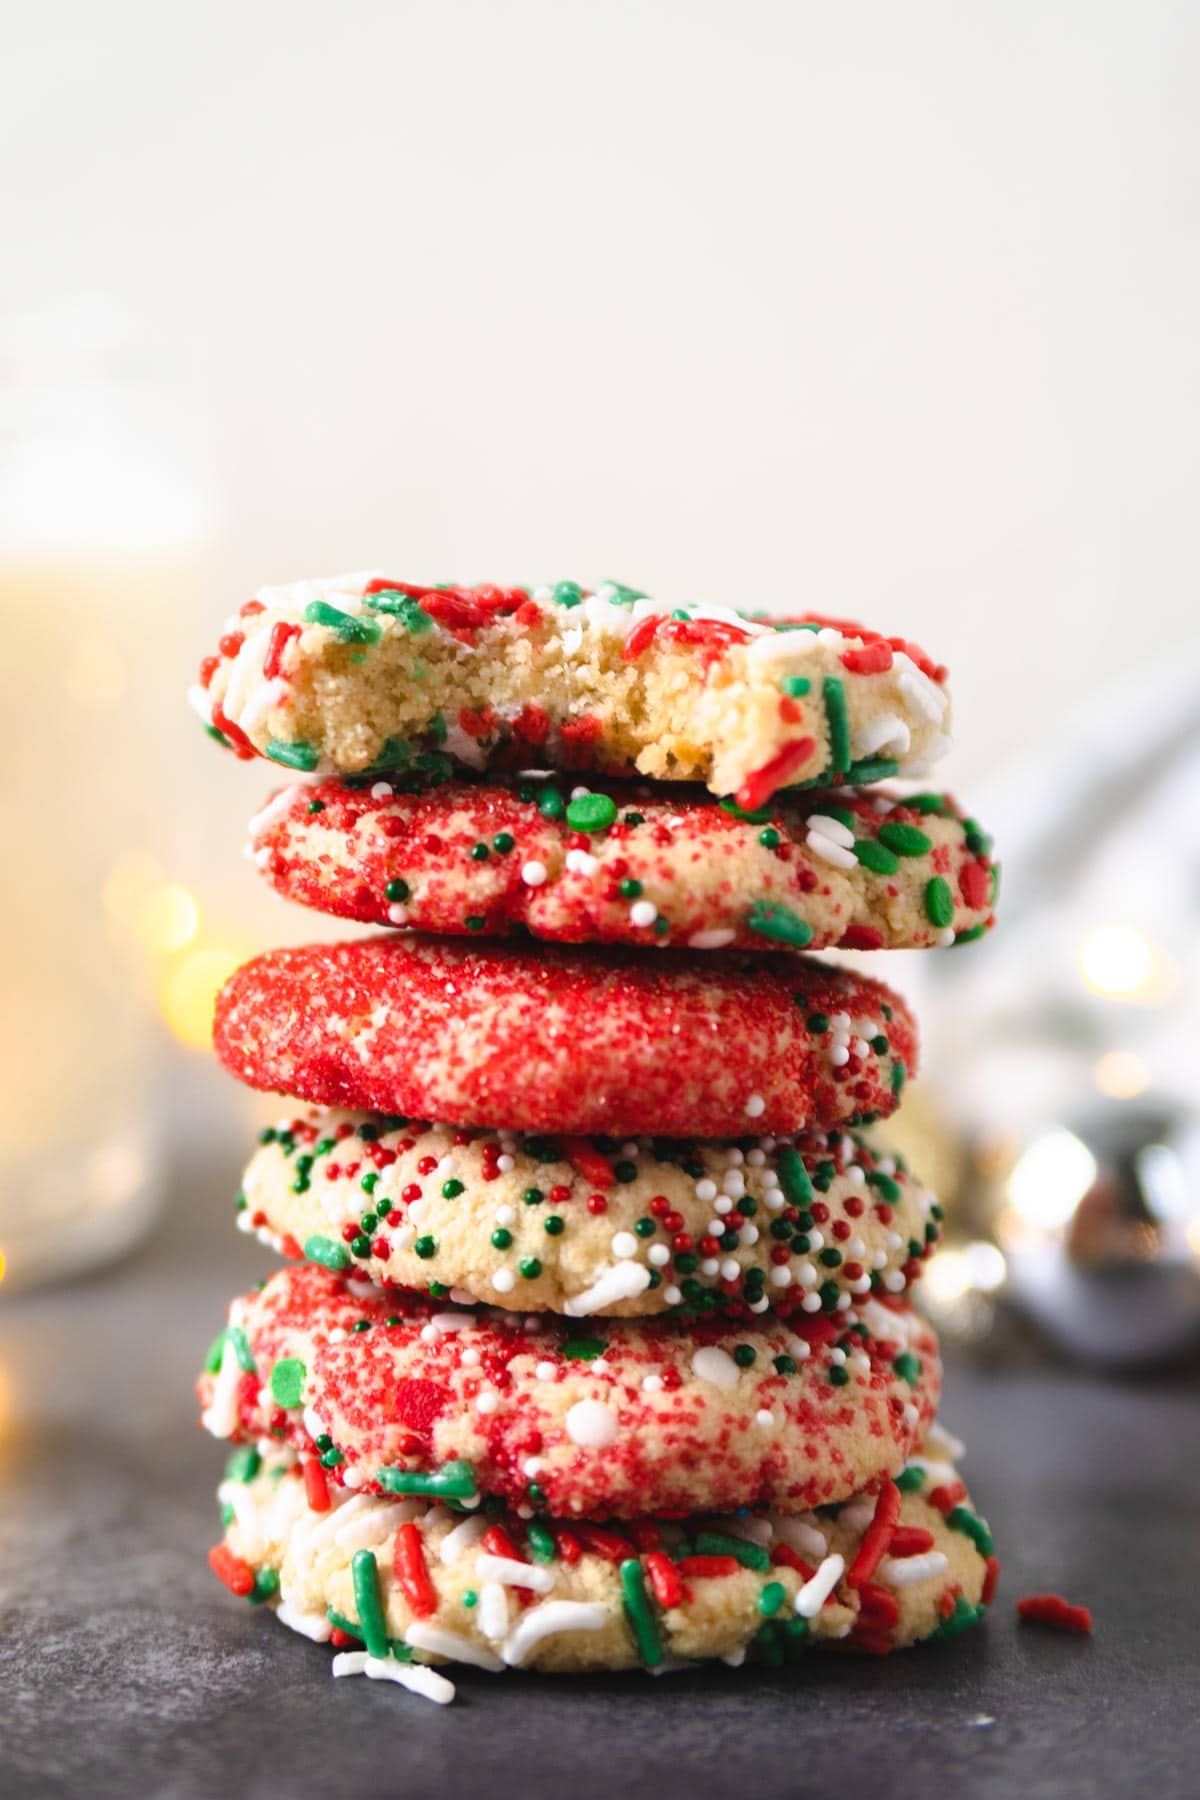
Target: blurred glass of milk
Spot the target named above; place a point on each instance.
(101, 547)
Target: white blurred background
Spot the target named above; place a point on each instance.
(887, 310)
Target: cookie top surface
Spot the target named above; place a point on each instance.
(629, 864)
(504, 1591)
(673, 1043)
(592, 1227)
(648, 1416)
(360, 672)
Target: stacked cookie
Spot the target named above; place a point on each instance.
(594, 1348)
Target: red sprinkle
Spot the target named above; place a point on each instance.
(316, 1486)
(708, 1565)
(237, 1575)
(757, 788)
(641, 637)
(1052, 1609)
(608, 1544)
(910, 1540)
(666, 1583)
(872, 659)
(877, 1536)
(990, 1580)
(946, 1498)
(412, 1573)
(594, 1167)
(281, 636)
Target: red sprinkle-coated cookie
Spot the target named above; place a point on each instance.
(645, 1416)
(632, 864)
(672, 1043)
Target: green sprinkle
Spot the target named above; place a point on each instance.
(294, 756)
(795, 686)
(911, 1479)
(452, 1189)
(241, 1349)
(927, 803)
(761, 815)
(554, 1226)
(397, 889)
(771, 1598)
(584, 1349)
(875, 857)
(961, 1619)
(905, 840)
(551, 804)
(244, 1464)
(340, 1622)
(645, 1227)
(533, 1196)
(715, 1543)
(793, 1176)
(566, 593)
(365, 1576)
(816, 1023)
(370, 1181)
(744, 1355)
(961, 1518)
(833, 691)
(620, 595)
(529, 1267)
(541, 1542)
(872, 768)
(501, 1239)
(630, 888)
(908, 1367)
(592, 812)
(830, 1257)
(453, 1481)
(770, 838)
(315, 806)
(625, 1171)
(779, 923)
(939, 902)
(978, 841)
(469, 1597)
(480, 853)
(784, 1365)
(883, 1184)
(640, 1614)
(400, 606)
(425, 1247)
(503, 842)
(266, 1585)
(475, 921)
(971, 935)
(899, 1075)
(287, 1381)
(327, 1252)
(838, 1375)
(350, 629)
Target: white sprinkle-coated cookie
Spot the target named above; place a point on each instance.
(593, 1227)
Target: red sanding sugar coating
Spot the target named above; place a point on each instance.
(672, 1043)
(578, 1420)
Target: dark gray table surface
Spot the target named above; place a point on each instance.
(125, 1668)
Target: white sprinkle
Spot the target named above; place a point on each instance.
(397, 915)
(903, 1571)
(764, 1418)
(462, 1538)
(672, 1295)
(581, 863)
(511, 1573)
(944, 1443)
(312, 1625)
(452, 1645)
(831, 828)
(550, 1619)
(706, 1189)
(414, 1676)
(492, 1616)
(450, 1321)
(624, 1245)
(381, 790)
(715, 1365)
(716, 939)
(815, 1593)
(487, 1402)
(546, 1371)
(756, 1106)
(781, 1277)
(887, 732)
(533, 873)
(658, 1256)
(623, 1282)
(830, 852)
(504, 1281)
(731, 1268)
(504, 1215)
(800, 1535)
(592, 1424)
(642, 913)
(220, 1416)
(923, 695)
(652, 1384)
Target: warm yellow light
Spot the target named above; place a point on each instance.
(189, 994)
(167, 919)
(3, 1265)
(94, 674)
(1051, 1179)
(134, 874)
(1120, 1074)
(951, 1274)
(1116, 959)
